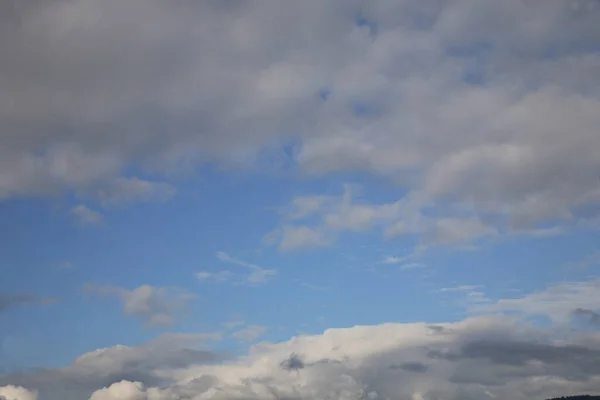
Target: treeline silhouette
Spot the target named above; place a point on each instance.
(583, 397)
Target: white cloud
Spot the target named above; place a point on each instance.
(463, 359)
(87, 217)
(258, 275)
(220, 276)
(396, 260)
(346, 213)
(465, 297)
(411, 266)
(226, 258)
(404, 262)
(103, 367)
(125, 390)
(557, 303)
(153, 305)
(461, 288)
(11, 392)
(480, 357)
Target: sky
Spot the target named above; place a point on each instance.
(320, 199)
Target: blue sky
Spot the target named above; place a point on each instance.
(359, 279)
(245, 179)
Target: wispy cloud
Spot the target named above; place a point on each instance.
(220, 276)
(257, 276)
(558, 302)
(463, 296)
(396, 260)
(249, 333)
(155, 306)
(65, 265)
(461, 288)
(408, 266)
(316, 288)
(234, 323)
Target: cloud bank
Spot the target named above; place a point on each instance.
(494, 353)
(485, 114)
(482, 357)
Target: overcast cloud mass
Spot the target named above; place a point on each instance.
(405, 126)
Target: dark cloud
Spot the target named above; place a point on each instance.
(436, 328)
(411, 366)
(293, 363)
(589, 315)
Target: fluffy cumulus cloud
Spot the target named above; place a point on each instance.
(125, 390)
(11, 392)
(481, 357)
(484, 110)
(104, 367)
(491, 355)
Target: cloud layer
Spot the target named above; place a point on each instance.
(483, 115)
(486, 113)
(492, 354)
(482, 357)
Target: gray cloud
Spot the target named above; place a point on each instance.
(293, 363)
(103, 367)
(464, 105)
(484, 357)
(590, 315)
(417, 367)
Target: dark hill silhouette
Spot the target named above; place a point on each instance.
(583, 397)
